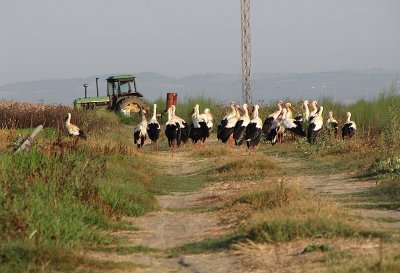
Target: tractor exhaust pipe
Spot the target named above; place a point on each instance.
(86, 86)
(97, 86)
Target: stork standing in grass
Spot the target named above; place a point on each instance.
(72, 129)
(292, 125)
(140, 131)
(239, 131)
(315, 126)
(254, 129)
(275, 128)
(153, 127)
(269, 121)
(289, 116)
(227, 125)
(173, 132)
(199, 130)
(331, 124)
(184, 126)
(349, 128)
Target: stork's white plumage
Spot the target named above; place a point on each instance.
(153, 127)
(313, 113)
(349, 128)
(254, 129)
(227, 124)
(331, 124)
(315, 126)
(208, 117)
(306, 110)
(72, 129)
(289, 108)
(239, 132)
(140, 131)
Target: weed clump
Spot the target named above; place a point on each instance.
(253, 168)
(317, 247)
(276, 195)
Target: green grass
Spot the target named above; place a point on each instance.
(347, 261)
(207, 245)
(64, 195)
(317, 247)
(125, 250)
(28, 257)
(165, 183)
(285, 212)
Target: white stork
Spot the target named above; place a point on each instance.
(227, 124)
(199, 130)
(239, 131)
(140, 131)
(173, 132)
(72, 129)
(331, 124)
(254, 129)
(184, 126)
(349, 128)
(315, 126)
(289, 116)
(153, 127)
(289, 108)
(208, 117)
(314, 112)
(292, 125)
(277, 124)
(268, 123)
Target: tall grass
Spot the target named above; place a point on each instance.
(373, 116)
(60, 195)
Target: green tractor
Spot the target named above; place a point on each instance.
(121, 96)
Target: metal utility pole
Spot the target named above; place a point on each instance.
(246, 52)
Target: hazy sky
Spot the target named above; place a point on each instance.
(44, 39)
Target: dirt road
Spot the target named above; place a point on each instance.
(184, 218)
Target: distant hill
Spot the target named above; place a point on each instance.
(346, 86)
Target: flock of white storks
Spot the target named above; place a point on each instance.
(236, 127)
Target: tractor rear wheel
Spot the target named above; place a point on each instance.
(133, 104)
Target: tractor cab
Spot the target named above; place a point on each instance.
(123, 93)
(118, 85)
